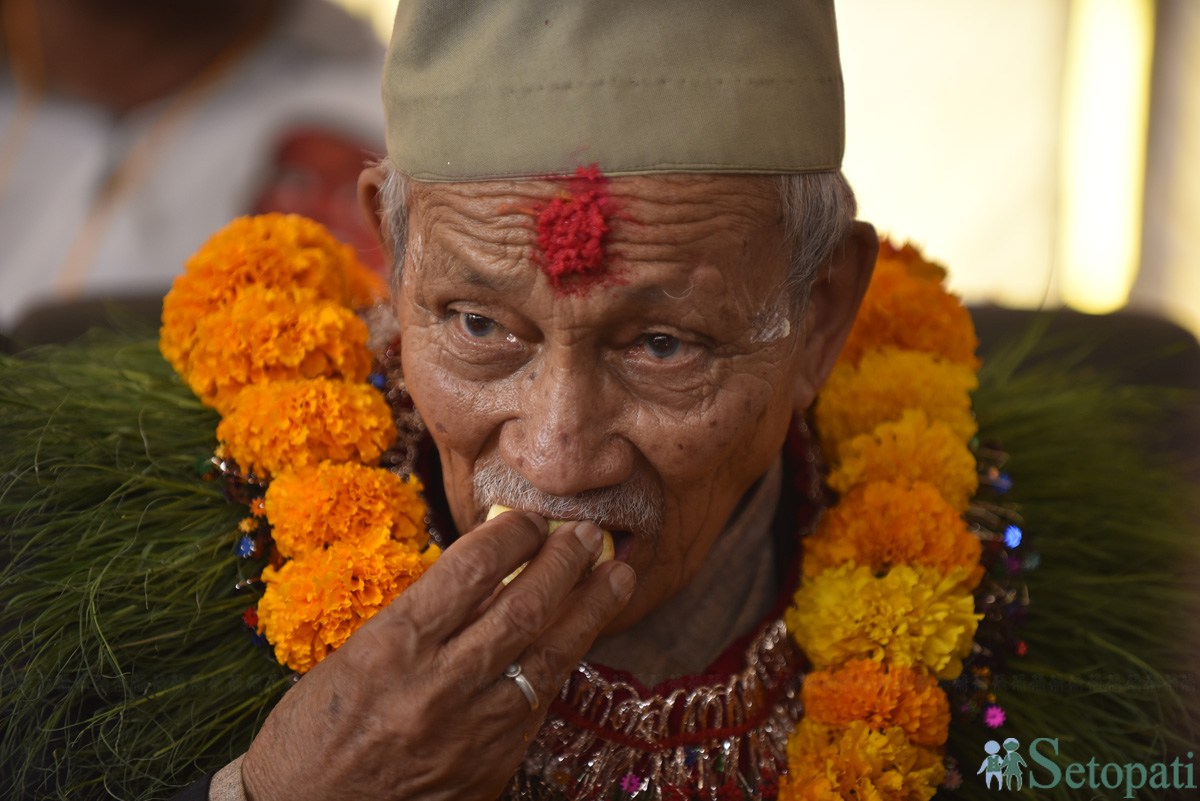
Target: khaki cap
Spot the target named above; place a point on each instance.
(478, 89)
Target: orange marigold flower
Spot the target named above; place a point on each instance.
(825, 763)
(343, 502)
(911, 448)
(313, 604)
(906, 307)
(911, 259)
(856, 399)
(870, 691)
(884, 524)
(276, 251)
(264, 335)
(272, 427)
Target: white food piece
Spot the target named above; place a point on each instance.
(606, 548)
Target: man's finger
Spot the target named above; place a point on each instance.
(466, 574)
(586, 611)
(516, 617)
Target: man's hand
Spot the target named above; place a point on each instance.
(415, 705)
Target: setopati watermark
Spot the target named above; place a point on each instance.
(1008, 770)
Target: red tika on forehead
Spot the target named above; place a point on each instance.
(572, 231)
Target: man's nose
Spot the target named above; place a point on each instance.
(563, 439)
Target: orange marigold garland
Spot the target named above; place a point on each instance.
(882, 696)
(912, 448)
(858, 762)
(884, 384)
(261, 325)
(274, 335)
(886, 609)
(271, 427)
(906, 307)
(313, 508)
(883, 524)
(312, 604)
(272, 251)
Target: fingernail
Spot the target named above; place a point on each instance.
(540, 522)
(590, 535)
(622, 579)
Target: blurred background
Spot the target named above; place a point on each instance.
(1046, 151)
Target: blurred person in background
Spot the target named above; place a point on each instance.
(130, 129)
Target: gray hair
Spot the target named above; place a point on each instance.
(817, 210)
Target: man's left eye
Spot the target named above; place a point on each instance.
(477, 325)
(661, 346)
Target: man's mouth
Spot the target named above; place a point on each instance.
(621, 539)
(622, 544)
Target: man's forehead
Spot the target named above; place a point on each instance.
(656, 198)
(636, 220)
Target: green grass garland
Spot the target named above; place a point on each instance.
(1107, 670)
(126, 670)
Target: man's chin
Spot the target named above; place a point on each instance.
(641, 606)
(622, 622)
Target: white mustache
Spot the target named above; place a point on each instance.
(633, 506)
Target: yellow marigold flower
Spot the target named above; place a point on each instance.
(825, 764)
(313, 604)
(272, 427)
(343, 502)
(275, 251)
(264, 335)
(910, 448)
(870, 691)
(910, 616)
(856, 400)
(906, 307)
(884, 524)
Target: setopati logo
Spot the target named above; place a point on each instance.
(1006, 770)
(1005, 766)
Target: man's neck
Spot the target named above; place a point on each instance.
(733, 590)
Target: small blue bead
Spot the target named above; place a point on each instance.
(246, 546)
(377, 380)
(1002, 483)
(1012, 536)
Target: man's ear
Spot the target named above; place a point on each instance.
(833, 305)
(369, 182)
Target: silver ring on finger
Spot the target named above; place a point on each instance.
(513, 672)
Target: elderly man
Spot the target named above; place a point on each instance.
(624, 262)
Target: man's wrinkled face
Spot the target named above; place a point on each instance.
(653, 401)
